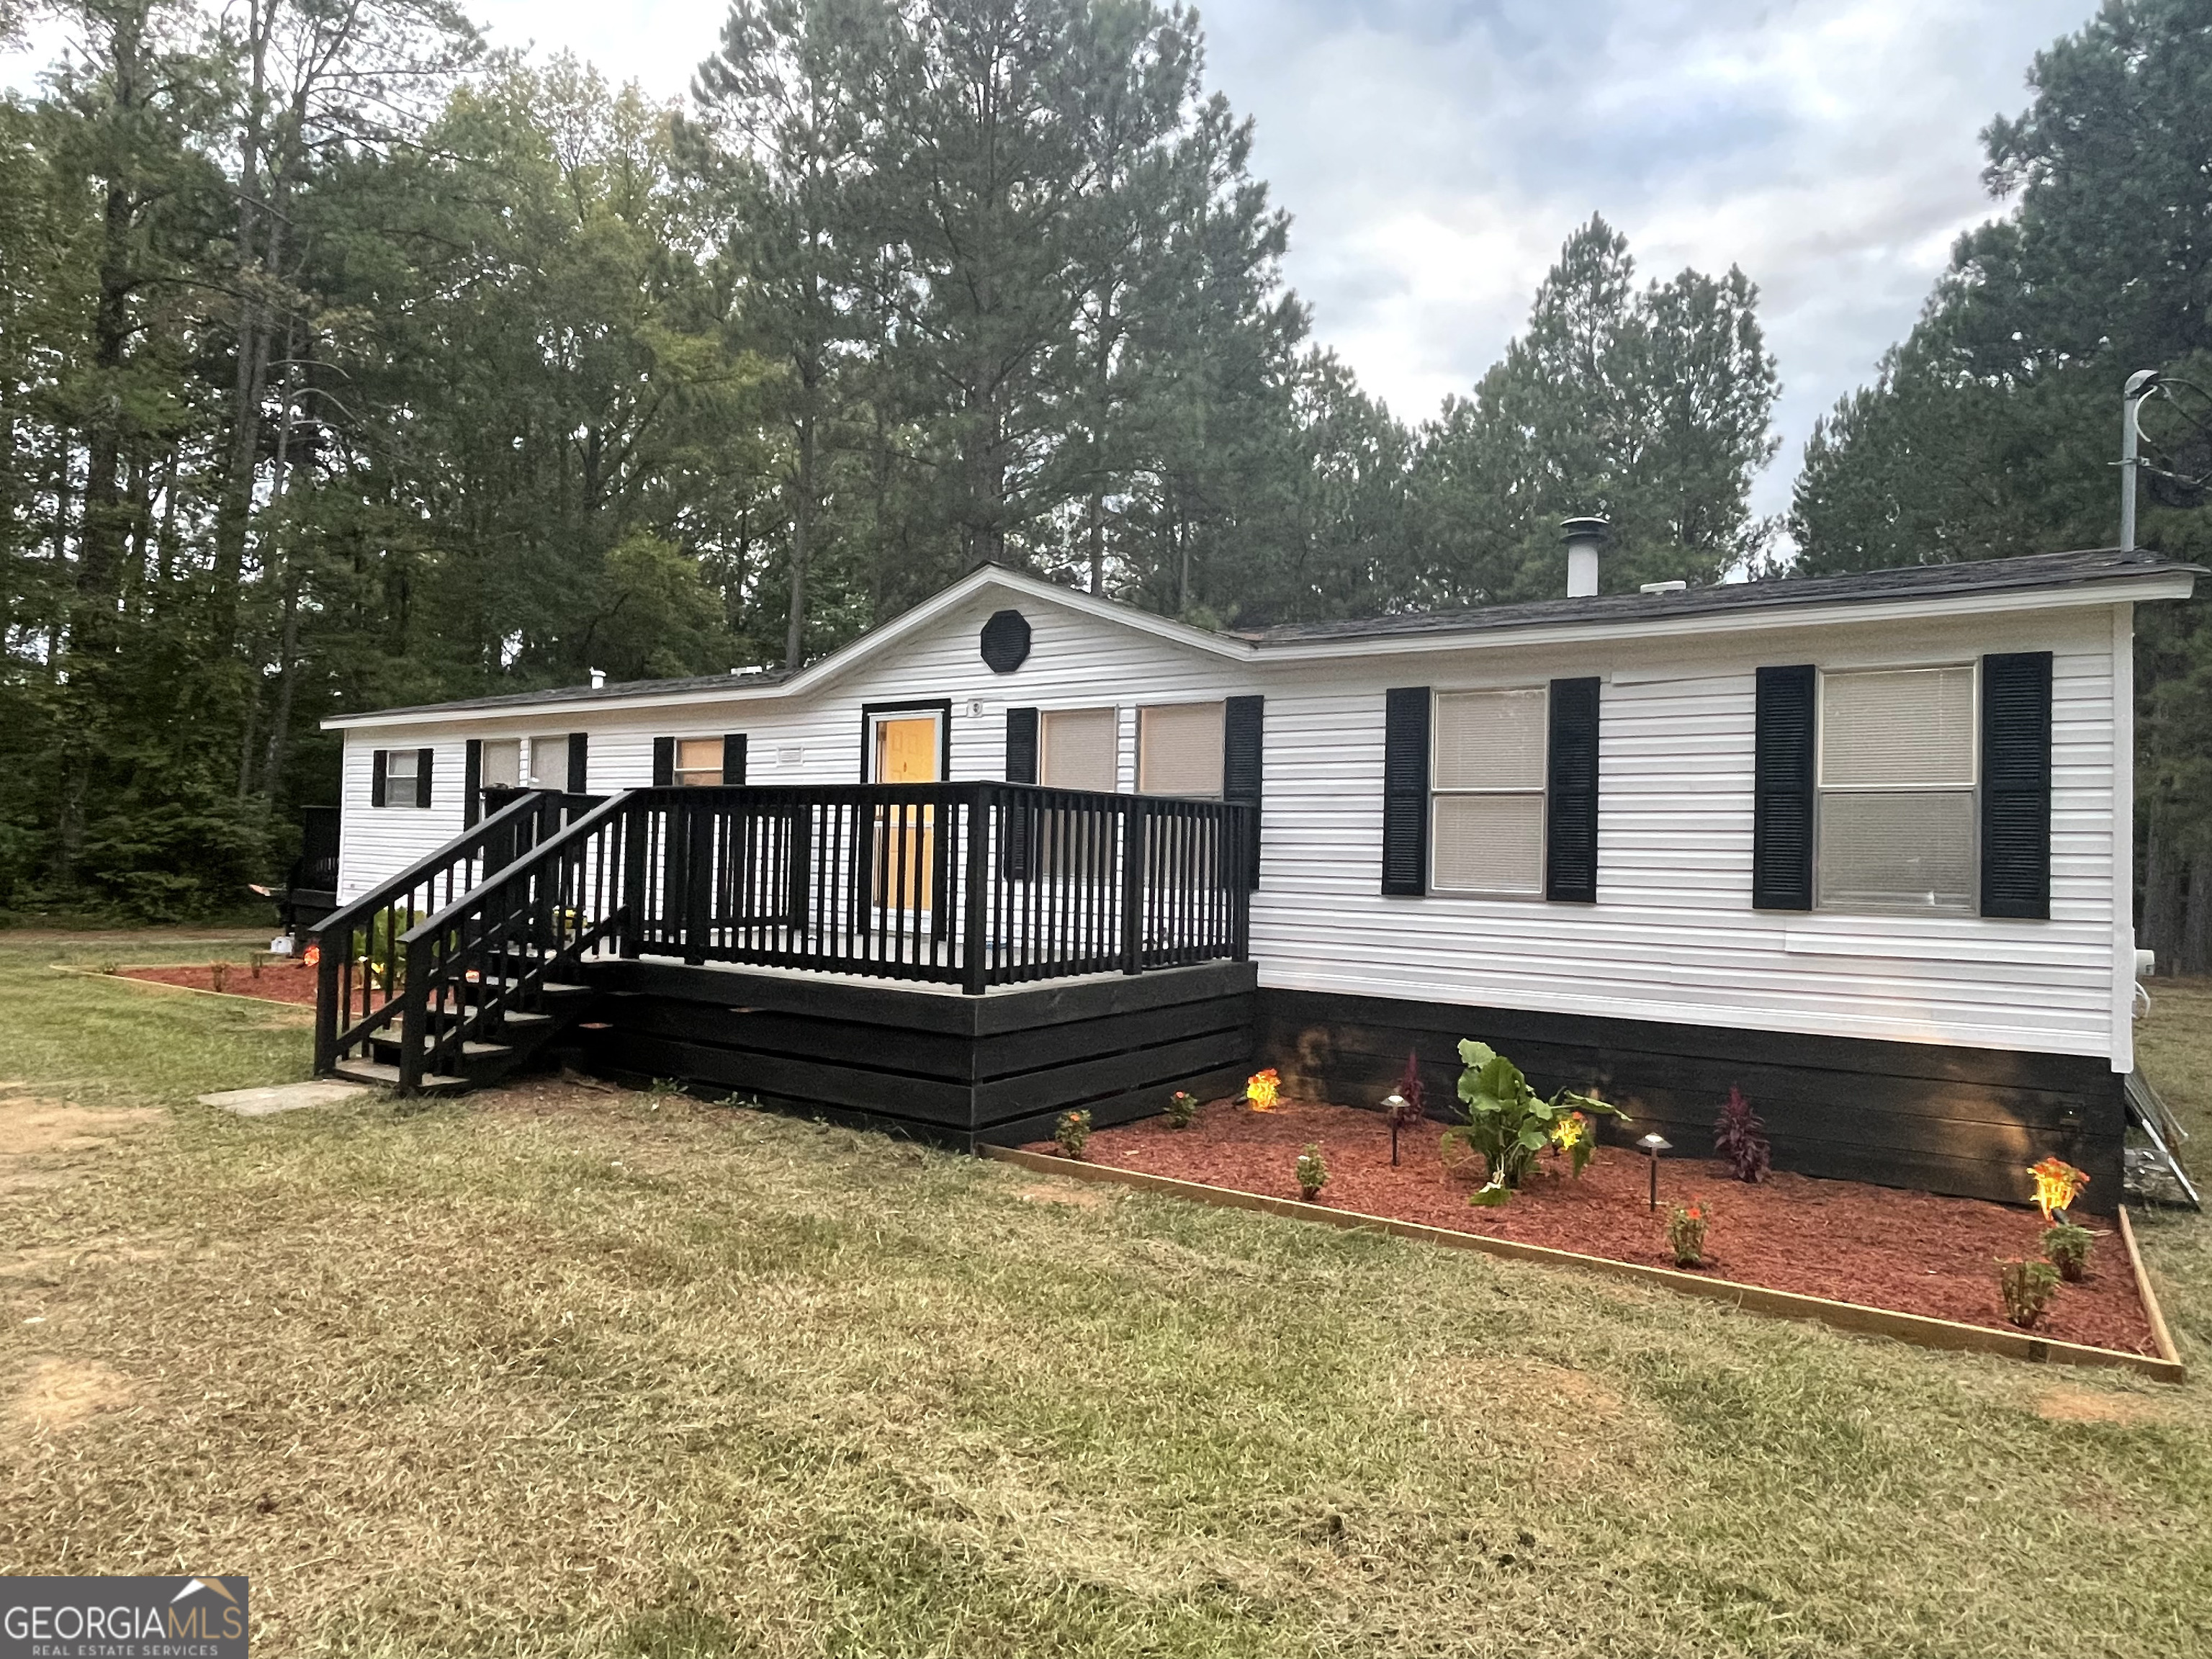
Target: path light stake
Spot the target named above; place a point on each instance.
(1393, 1107)
(1655, 1143)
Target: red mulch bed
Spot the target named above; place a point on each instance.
(1878, 1246)
(277, 981)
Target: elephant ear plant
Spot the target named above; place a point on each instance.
(1508, 1123)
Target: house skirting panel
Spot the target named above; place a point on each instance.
(956, 1070)
(1963, 1122)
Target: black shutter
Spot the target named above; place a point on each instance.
(733, 758)
(377, 761)
(579, 762)
(664, 762)
(1017, 828)
(1570, 794)
(1405, 790)
(473, 783)
(1782, 790)
(423, 776)
(1244, 722)
(2016, 785)
(1021, 745)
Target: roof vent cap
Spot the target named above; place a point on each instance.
(1584, 537)
(1664, 587)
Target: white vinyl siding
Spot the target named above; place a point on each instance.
(1897, 828)
(1672, 936)
(1179, 749)
(1486, 818)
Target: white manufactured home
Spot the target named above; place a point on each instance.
(1860, 846)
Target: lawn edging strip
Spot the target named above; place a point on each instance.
(2159, 1334)
(1921, 1330)
(125, 976)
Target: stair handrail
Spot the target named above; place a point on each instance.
(454, 922)
(338, 926)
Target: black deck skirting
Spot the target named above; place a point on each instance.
(958, 1071)
(1963, 1122)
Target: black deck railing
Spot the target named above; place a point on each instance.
(968, 884)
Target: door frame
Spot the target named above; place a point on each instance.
(871, 712)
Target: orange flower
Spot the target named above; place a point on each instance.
(2057, 1184)
(1261, 1088)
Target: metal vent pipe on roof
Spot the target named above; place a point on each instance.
(1583, 537)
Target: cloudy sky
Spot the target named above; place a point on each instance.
(1435, 154)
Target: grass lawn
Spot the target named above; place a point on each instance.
(560, 1370)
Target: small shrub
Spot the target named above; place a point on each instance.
(2067, 1248)
(2026, 1288)
(1740, 1138)
(1072, 1132)
(218, 975)
(1182, 1110)
(1413, 1103)
(1685, 1234)
(1313, 1173)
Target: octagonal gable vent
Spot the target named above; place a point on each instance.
(1006, 641)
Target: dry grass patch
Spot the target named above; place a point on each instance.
(2069, 1404)
(58, 1394)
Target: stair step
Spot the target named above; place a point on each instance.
(550, 988)
(471, 1049)
(376, 1072)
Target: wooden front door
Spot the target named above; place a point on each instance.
(906, 748)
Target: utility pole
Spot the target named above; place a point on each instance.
(2140, 386)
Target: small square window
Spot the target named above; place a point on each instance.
(501, 766)
(549, 762)
(1897, 828)
(1179, 749)
(699, 762)
(1081, 748)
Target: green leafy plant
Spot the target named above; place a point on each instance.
(1508, 1122)
(1072, 1132)
(1182, 1110)
(1313, 1173)
(2066, 1246)
(1685, 1234)
(2027, 1287)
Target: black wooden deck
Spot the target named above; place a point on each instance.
(955, 1070)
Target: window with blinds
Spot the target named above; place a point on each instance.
(549, 762)
(1897, 828)
(502, 763)
(1081, 748)
(1179, 749)
(1486, 782)
(699, 762)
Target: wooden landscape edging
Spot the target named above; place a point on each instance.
(2159, 1334)
(125, 975)
(1921, 1330)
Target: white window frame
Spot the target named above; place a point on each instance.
(1822, 789)
(409, 799)
(1436, 792)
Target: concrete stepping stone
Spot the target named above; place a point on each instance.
(283, 1097)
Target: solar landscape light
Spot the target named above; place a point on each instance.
(1393, 1107)
(1655, 1143)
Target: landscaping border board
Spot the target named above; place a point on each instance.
(124, 975)
(1921, 1330)
(2159, 1334)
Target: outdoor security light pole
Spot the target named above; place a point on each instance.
(2140, 386)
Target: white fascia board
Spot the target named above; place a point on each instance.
(1752, 619)
(837, 663)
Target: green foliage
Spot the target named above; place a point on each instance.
(1685, 1234)
(2026, 1288)
(2067, 1247)
(1182, 1110)
(1312, 1173)
(1508, 1123)
(1072, 1132)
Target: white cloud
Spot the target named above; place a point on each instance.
(1435, 153)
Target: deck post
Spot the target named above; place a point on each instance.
(326, 994)
(1133, 885)
(698, 868)
(414, 1008)
(973, 966)
(1240, 891)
